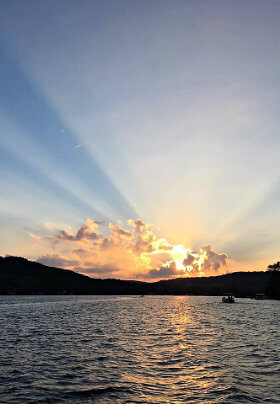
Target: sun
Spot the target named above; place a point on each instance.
(178, 254)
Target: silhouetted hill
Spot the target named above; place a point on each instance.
(20, 276)
(239, 283)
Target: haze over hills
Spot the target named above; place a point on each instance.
(21, 276)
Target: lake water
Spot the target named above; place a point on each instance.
(156, 349)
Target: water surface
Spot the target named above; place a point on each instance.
(156, 349)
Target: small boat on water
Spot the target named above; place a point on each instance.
(228, 298)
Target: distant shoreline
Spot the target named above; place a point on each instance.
(19, 276)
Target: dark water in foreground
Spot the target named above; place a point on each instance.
(68, 349)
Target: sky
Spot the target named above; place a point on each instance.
(140, 139)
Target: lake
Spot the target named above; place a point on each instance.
(128, 349)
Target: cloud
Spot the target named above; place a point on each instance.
(118, 237)
(213, 260)
(169, 270)
(130, 250)
(138, 225)
(189, 260)
(105, 269)
(55, 260)
(120, 232)
(81, 253)
(144, 238)
(85, 231)
(64, 235)
(163, 272)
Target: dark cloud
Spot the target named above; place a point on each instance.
(189, 260)
(64, 235)
(98, 269)
(213, 261)
(80, 252)
(85, 231)
(166, 271)
(55, 260)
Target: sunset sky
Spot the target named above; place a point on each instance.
(140, 138)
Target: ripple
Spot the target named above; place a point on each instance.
(160, 349)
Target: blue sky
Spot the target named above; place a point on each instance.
(164, 110)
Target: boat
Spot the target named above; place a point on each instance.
(228, 298)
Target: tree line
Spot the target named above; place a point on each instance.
(273, 285)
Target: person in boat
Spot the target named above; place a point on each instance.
(228, 298)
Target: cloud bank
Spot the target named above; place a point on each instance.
(129, 250)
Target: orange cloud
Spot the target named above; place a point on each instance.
(85, 231)
(133, 250)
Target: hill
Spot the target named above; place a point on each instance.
(20, 276)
